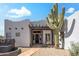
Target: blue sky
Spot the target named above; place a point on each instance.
(32, 11)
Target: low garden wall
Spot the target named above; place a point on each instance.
(11, 53)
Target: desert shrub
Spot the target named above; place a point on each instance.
(19, 51)
(74, 50)
(44, 45)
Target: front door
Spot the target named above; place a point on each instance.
(37, 39)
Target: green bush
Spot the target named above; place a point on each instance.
(74, 50)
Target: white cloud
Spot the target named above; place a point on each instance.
(70, 10)
(16, 13)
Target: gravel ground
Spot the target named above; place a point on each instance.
(51, 52)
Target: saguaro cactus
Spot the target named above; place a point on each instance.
(55, 22)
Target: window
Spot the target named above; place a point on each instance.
(22, 28)
(9, 28)
(17, 34)
(16, 28)
(47, 38)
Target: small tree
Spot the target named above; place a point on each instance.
(55, 22)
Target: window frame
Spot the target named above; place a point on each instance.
(17, 34)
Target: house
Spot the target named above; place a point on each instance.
(27, 33)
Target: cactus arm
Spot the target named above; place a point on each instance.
(61, 18)
(60, 22)
(56, 12)
(52, 26)
(51, 22)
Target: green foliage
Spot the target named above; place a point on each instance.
(74, 50)
(1, 36)
(55, 22)
(54, 19)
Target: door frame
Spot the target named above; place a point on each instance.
(40, 34)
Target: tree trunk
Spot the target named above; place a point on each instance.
(56, 38)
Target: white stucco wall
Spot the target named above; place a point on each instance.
(73, 35)
(24, 39)
(44, 32)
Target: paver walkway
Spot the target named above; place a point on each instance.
(44, 52)
(51, 52)
(29, 52)
(24, 49)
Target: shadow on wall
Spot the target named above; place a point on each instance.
(66, 32)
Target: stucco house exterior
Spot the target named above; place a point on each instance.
(27, 33)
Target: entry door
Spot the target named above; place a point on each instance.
(37, 39)
(37, 36)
